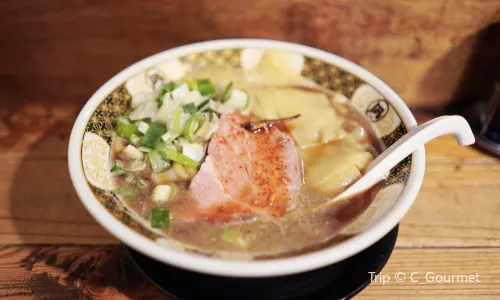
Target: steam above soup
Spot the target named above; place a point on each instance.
(231, 163)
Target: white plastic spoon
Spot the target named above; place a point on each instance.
(408, 144)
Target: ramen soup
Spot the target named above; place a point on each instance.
(244, 164)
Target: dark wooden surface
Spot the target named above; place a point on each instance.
(66, 49)
(55, 54)
(71, 272)
(104, 272)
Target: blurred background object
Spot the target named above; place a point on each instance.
(478, 94)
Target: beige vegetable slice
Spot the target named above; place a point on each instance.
(318, 123)
(330, 168)
(339, 180)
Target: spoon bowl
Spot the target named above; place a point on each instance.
(406, 145)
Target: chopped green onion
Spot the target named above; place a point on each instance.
(153, 135)
(144, 149)
(206, 131)
(204, 86)
(247, 104)
(203, 81)
(211, 111)
(192, 125)
(202, 104)
(116, 168)
(159, 98)
(169, 137)
(167, 88)
(160, 217)
(206, 89)
(170, 86)
(189, 108)
(124, 128)
(178, 157)
(142, 184)
(236, 237)
(190, 82)
(135, 139)
(127, 192)
(225, 94)
(177, 126)
(158, 161)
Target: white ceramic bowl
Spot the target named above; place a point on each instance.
(392, 205)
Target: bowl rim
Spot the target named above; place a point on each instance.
(238, 268)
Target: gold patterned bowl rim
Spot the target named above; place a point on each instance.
(238, 268)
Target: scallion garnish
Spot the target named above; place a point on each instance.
(189, 108)
(116, 168)
(142, 184)
(160, 217)
(177, 126)
(167, 88)
(169, 137)
(153, 135)
(170, 86)
(127, 192)
(124, 128)
(247, 104)
(159, 98)
(177, 157)
(203, 81)
(192, 125)
(225, 93)
(211, 111)
(158, 161)
(202, 104)
(192, 84)
(206, 89)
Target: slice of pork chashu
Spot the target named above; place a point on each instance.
(245, 173)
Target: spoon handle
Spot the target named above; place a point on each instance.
(408, 144)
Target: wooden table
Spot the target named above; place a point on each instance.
(55, 53)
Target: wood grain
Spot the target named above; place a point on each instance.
(67, 49)
(38, 203)
(71, 273)
(483, 261)
(104, 272)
